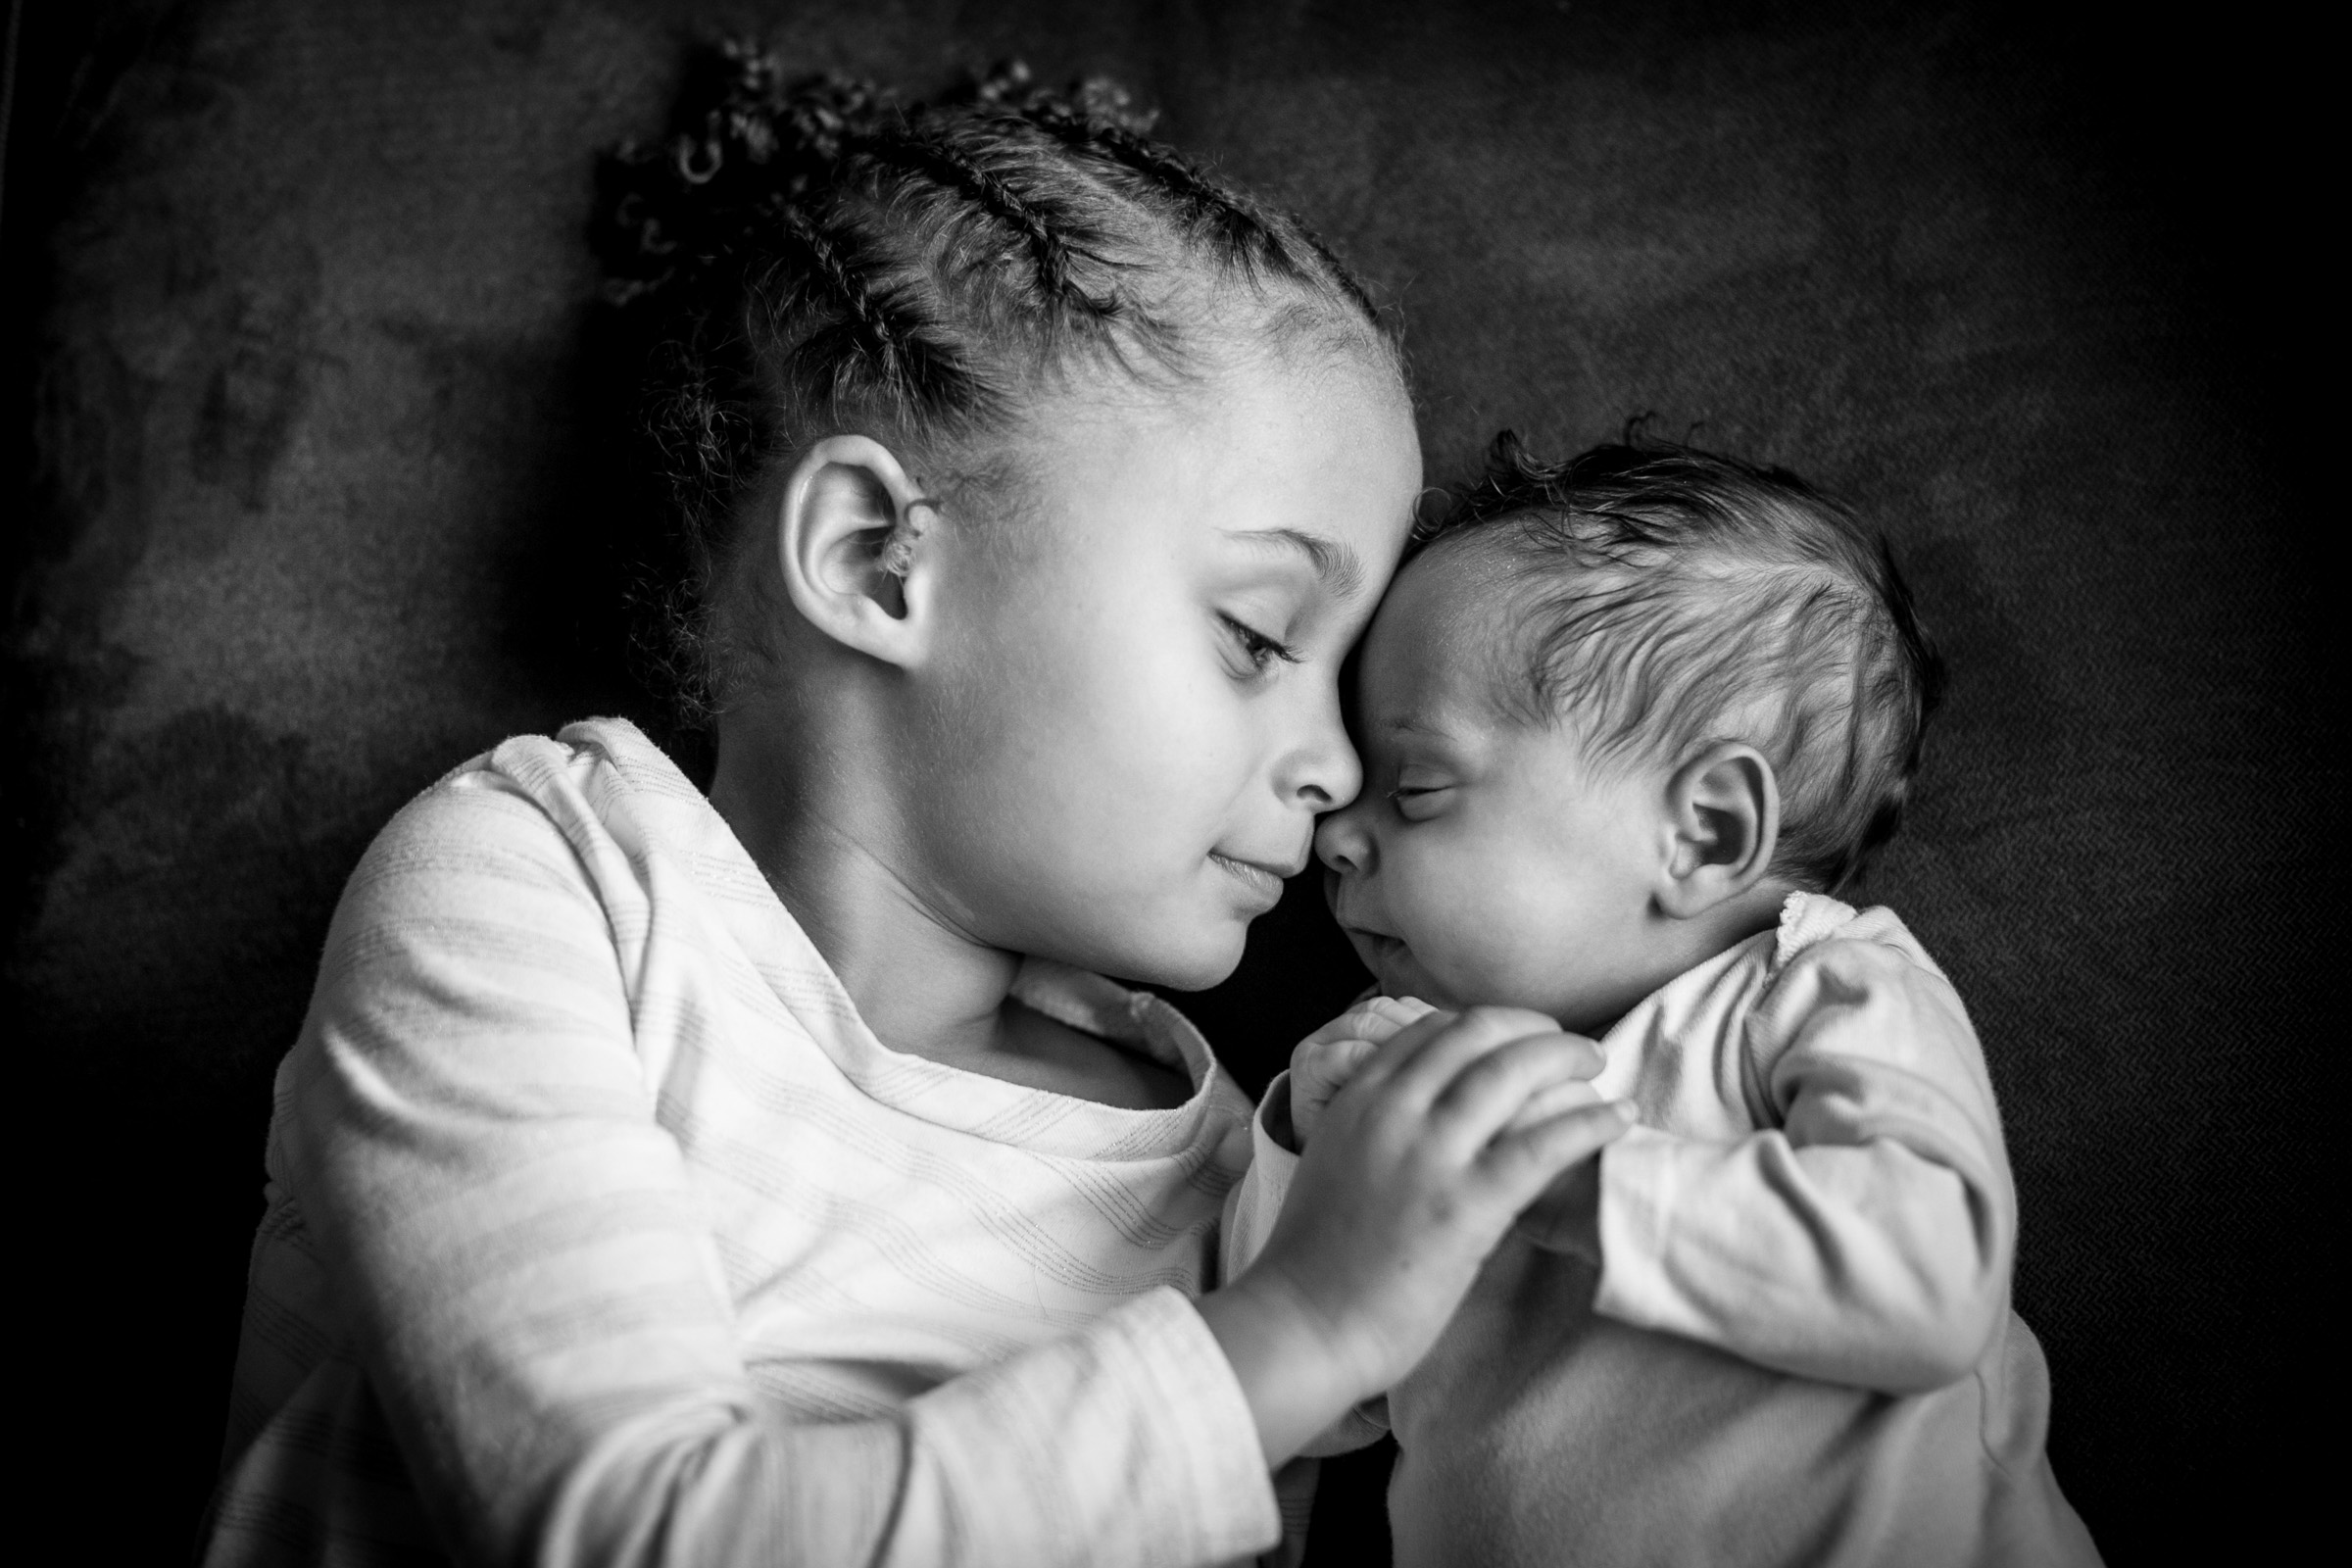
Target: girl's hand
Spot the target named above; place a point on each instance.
(1567, 1217)
(1322, 1063)
(1418, 1167)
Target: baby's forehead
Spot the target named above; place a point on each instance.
(1461, 585)
(1450, 634)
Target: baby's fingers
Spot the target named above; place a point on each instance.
(1328, 1063)
(1375, 1018)
(1524, 1162)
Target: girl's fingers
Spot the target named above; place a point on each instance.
(1492, 1092)
(1523, 1164)
(1553, 1099)
(1569, 1057)
(1422, 1058)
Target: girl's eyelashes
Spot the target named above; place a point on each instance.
(1262, 651)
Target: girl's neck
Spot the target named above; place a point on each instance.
(824, 841)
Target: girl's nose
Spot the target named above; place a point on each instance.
(1343, 843)
(1324, 773)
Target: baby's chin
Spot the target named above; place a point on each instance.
(1399, 972)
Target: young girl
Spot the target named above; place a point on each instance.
(768, 1177)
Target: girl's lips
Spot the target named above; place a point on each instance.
(1262, 880)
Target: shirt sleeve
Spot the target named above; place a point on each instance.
(1250, 1209)
(524, 1266)
(1867, 1237)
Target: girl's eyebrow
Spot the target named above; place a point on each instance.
(1335, 563)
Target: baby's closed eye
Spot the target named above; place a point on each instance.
(1419, 794)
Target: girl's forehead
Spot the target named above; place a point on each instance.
(1255, 443)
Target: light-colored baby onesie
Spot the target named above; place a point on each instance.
(1799, 1346)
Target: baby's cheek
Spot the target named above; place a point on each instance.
(1495, 945)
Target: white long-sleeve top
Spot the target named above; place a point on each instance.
(601, 1230)
(1797, 1346)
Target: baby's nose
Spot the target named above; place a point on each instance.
(1343, 843)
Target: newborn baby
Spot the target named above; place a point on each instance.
(1627, 725)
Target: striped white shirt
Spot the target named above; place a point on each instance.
(601, 1229)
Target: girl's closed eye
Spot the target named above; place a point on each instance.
(1261, 650)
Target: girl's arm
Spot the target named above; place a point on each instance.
(527, 1270)
(1251, 1208)
(1866, 1240)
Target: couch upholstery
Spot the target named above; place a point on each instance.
(318, 501)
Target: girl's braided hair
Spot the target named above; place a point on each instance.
(802, 255)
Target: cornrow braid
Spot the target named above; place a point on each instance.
(944, 163)
(848, 290)
(808, 255)
(1198, 196)
(904, 354)
(1253, 239)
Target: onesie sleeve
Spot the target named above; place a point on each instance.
(525, 1266)
(1866, 1237)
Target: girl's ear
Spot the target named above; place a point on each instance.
(849, 540)
(1723, 817)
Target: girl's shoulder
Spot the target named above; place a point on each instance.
(532, 794)
(534, 820)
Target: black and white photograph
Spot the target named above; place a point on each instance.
(1170, 783)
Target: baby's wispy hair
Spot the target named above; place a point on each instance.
(1667, 598)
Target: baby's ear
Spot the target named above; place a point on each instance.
(1722, 808)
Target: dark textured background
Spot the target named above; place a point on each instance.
(313, 493)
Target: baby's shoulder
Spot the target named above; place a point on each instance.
(1858, 989)
(1809, 920)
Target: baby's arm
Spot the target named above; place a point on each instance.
(1866, 1240)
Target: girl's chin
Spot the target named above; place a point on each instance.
(1208, 958)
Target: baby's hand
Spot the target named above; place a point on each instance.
(1326, 1060)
